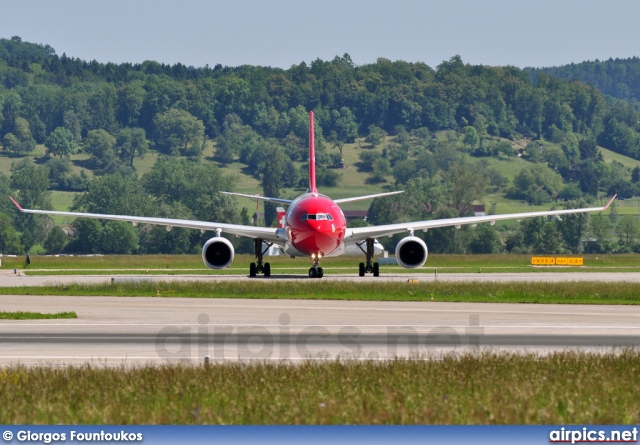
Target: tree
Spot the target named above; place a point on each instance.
(131, 98)
(403, 171)
(376, 135)
(58, 169)
(9, 237)
(179, 132)
(21, 141)
(60, 142)
(193, 184)
(589, 149)
(115, 194)
(504, 148)
(381, 168)
(468, 184)
(471, 138)
(71, 121)
(540, 235)
(88, 236)
(56, 240)
(119, 237)
(485, 240)
(100, 145)
(271, 170)
(11, 143)
(628, 229)
(32, 183)
(237, 141)
(600, 228)
(573, 226)
(6, 206)
(131, 142)
(344, 128)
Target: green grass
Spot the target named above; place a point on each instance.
(487, 388)
(481, 292)
(610, 156)
(280, 264)
(35, 315)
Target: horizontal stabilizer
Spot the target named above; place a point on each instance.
(261, 198)
(360, 198)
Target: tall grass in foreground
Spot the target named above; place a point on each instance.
(488, 388)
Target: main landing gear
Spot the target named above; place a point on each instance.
(316, 271)
(369, 267)
(265, 268)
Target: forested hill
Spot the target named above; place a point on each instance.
(49, 91)
(619, 78)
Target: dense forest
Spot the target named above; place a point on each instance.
(429, 129)
(619, 78)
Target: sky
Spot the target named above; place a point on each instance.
(281, 33)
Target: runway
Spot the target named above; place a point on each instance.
(112, 331)
(8, 279)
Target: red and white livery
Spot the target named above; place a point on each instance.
(314, 227)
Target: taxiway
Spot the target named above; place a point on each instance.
(114, 331)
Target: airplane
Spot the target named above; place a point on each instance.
(314, 228)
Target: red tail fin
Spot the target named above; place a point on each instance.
(312, 157)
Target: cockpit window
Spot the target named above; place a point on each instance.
(317, 216)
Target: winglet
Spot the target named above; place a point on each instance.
(16, 203)
(610, 201)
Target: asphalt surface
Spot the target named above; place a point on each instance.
(112, 331)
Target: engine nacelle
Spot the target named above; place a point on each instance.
(411, 252)
(217, 253)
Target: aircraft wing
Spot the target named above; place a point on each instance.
(275, 235)
(360, 233)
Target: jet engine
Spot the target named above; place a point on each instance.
(411, 252)
(217, 253)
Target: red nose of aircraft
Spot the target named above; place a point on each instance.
(316, 225)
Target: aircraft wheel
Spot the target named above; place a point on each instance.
(320, 272)
(252, 270)
(361, 270)
(313, 273)
(376, 269)
(267, 269)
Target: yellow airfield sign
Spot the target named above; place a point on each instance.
(560, 261)
(556, 261)
(543, 261)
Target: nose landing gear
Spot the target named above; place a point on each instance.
(316, 271)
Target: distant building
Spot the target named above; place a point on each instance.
(479, 210)
(350, 215)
